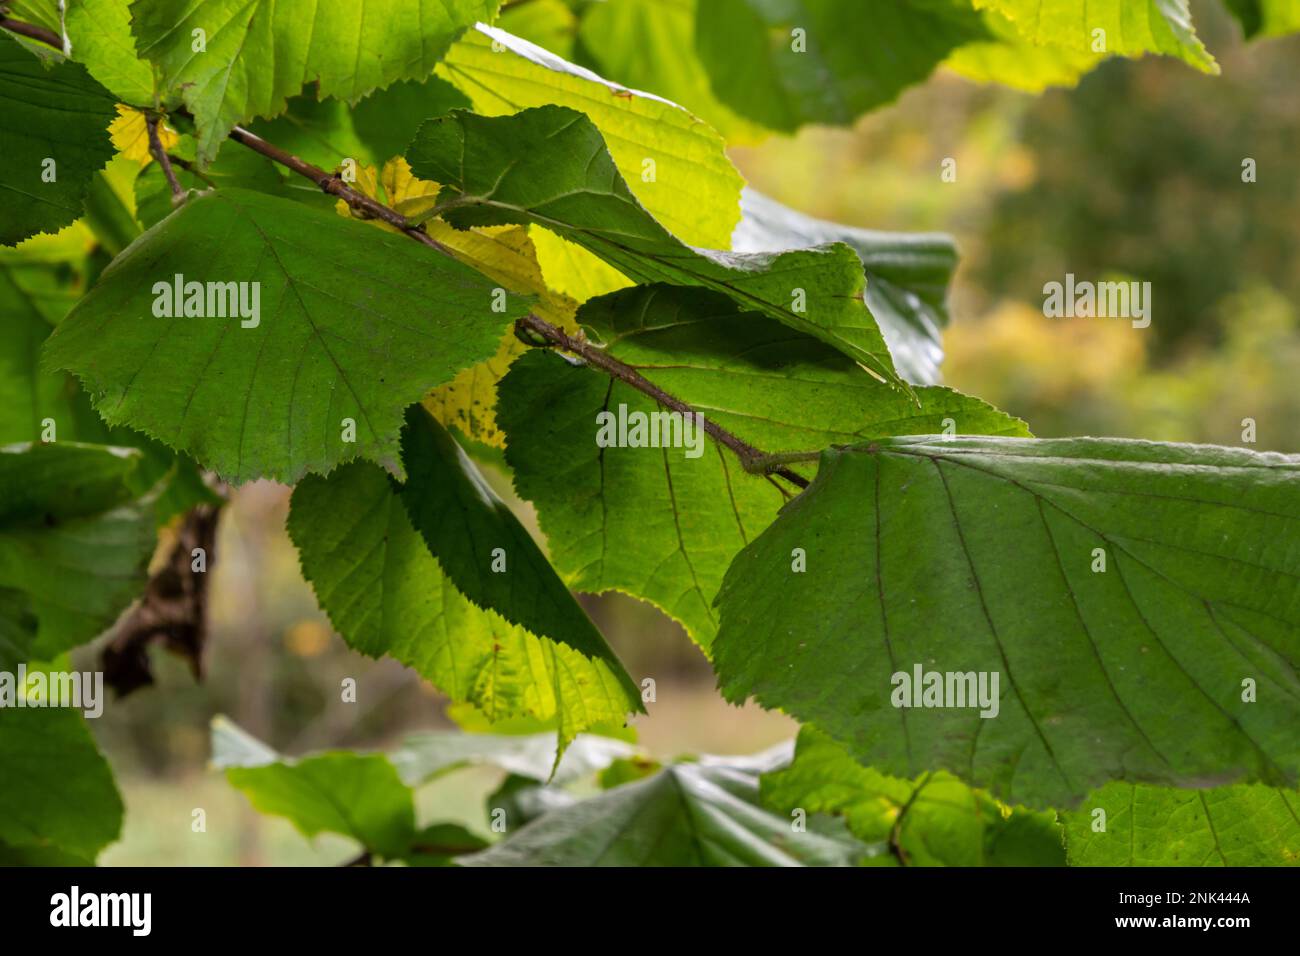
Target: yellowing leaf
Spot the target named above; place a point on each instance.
(130, 135)
(505, 254)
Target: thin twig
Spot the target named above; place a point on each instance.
(333, 184)
(754, 461)
(160, 154)
(33, 32)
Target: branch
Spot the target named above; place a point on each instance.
(333, 184)
(33, 32)
(160, 154)
(754, 461)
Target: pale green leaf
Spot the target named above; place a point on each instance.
(650, 45)
(695, 191)
(100, 31)
(1128, 27)
(255, 55)
(386, 594)
(935, 820)
(75, 541)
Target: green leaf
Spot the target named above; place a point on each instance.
(907, 275)
(100, 31)
(549, 166)
(1130, 29)
(650, 45)
(684, 518)
(935, 820)
(983, 556)
(27, 396)
(385, 593)
(1242, 825)
(854, 57)
(353, 324)
(35, 405)
(357, 795)
(386, 121)
(421, 757)
(695, 191)
(75, 542)
(482, 547)
(440, 843)
(689, 516)
(240, 168)
(703, 814)
(50, 806)
(550, 24)
(1265, 17)
(53, 113)
(1008, 58)
(369, 133)
(258, 54)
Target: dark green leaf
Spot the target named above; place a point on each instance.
(1242, 825)
(983, 556)
(844, 60)
(75, 542)
(482, 547)
(55, 128)
(58, 796)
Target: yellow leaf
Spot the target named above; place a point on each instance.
(130, 135)
(505, 254)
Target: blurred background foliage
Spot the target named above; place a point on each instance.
(1134, 173)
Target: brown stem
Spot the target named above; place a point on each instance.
(754, 461)
(160, 154)
(334, 185)
(751, 458)
(33, 32)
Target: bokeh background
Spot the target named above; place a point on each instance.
(1134, 174)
